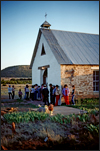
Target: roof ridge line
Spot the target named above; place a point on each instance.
(72, 31)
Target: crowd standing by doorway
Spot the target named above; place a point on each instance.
(41, 93)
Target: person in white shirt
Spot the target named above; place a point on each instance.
(10, 91)
(32, 90)
(27, 92)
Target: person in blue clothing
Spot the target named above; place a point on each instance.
(39, 93)
(20, 94)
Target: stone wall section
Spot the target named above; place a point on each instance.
(82, 77)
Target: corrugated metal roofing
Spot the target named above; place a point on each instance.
(80, 48)
(72, 47)
(55, 47)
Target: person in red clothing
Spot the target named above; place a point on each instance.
(57, 93)
(66, 94)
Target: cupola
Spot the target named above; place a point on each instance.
(46, 25)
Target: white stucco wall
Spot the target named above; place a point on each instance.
(54, 74)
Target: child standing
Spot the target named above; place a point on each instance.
(73, 94)
(20, 94)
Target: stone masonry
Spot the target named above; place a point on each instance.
(82, 77)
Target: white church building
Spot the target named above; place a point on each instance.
(64, 57)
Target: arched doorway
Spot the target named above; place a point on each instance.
(45, 76)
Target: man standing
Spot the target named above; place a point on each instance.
(51, 89)
(27, 92)
(53, 95)
(13, 92)
(45, 93)
(9, 91)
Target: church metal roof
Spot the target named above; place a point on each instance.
(72, 47)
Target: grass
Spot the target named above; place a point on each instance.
(21, 105)
(19, 100)
(86, 103)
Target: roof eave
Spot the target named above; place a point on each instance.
(35, 49)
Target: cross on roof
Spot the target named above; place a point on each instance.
(45, 16)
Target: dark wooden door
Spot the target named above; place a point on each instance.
(44, 80)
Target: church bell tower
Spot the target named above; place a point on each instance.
(45, 24)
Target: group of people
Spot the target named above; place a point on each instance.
(34, 93)
(11, 91)
(42, 93)
(55, 94)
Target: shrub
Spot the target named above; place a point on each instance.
(12, 79)
(4, 84)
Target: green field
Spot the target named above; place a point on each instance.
(4, 90)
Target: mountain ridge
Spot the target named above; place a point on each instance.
(17, 71)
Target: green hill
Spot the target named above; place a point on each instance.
(17, 71)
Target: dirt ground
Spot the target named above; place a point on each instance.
(47, 135)
(33, 135)
(57, 109)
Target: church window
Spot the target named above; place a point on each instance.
(43, 50)
(96, 81)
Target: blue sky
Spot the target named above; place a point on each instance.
(21, 20)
